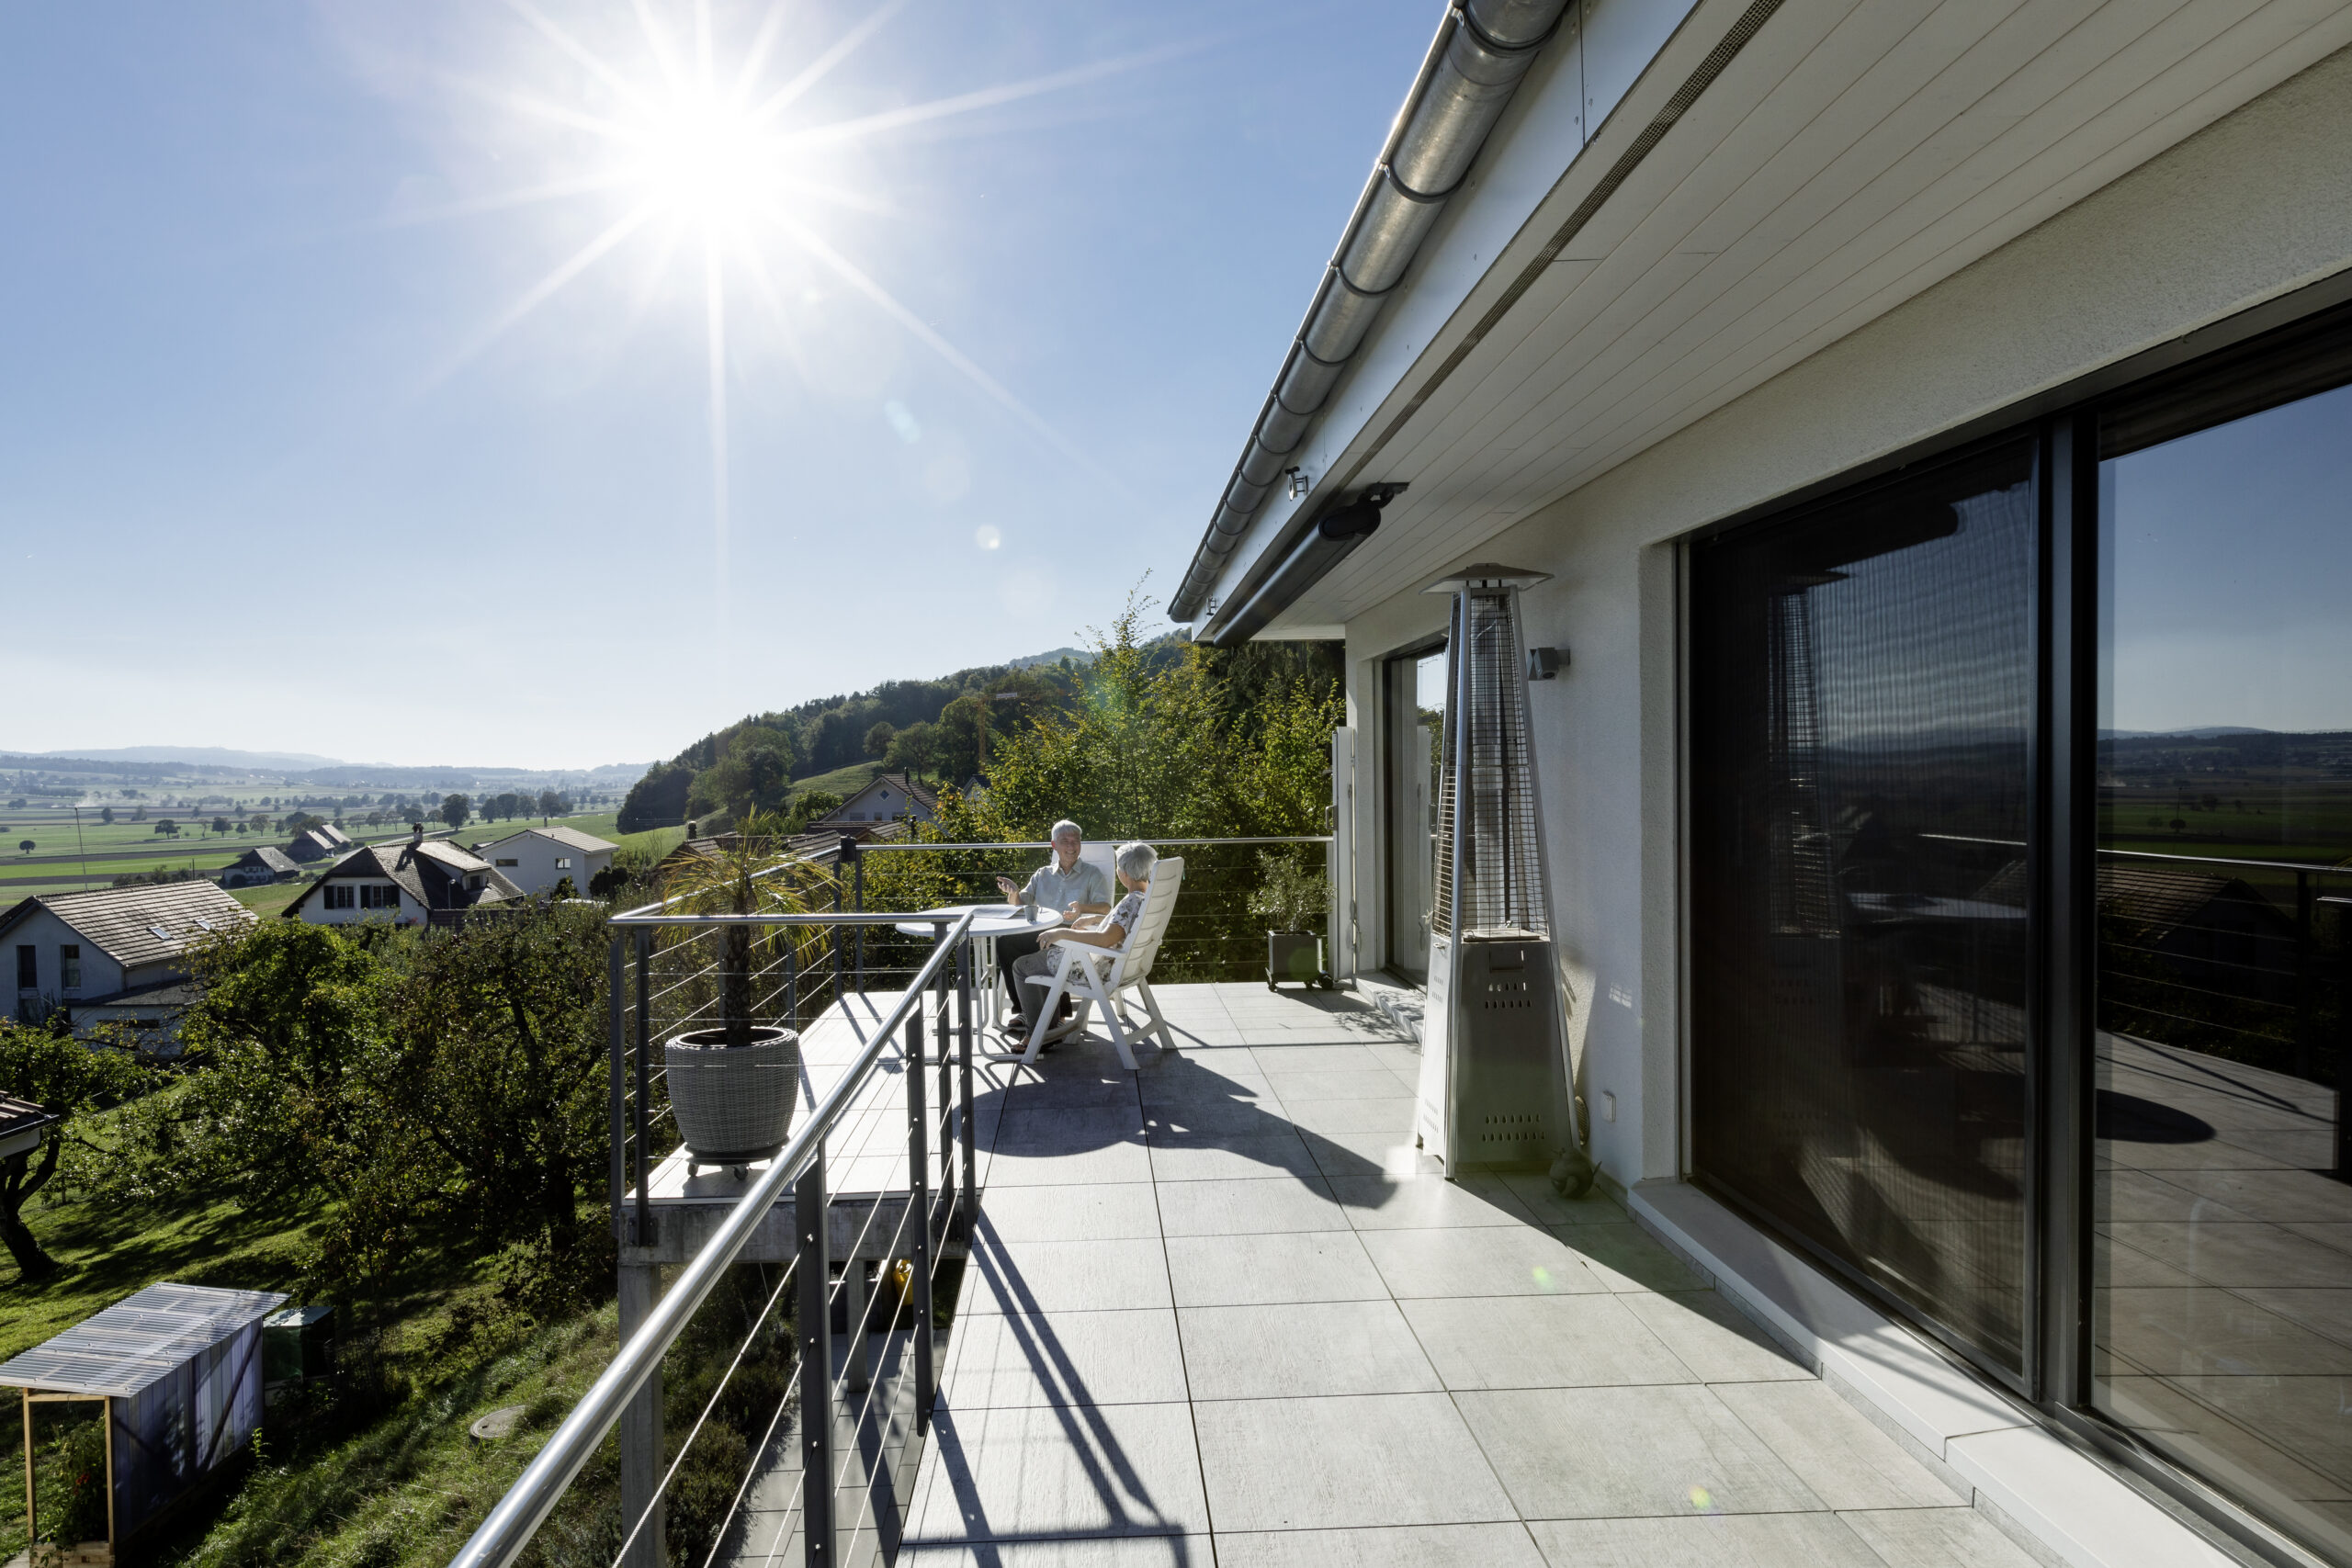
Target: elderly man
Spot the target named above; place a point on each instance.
(1064, 883)
(1111, 929)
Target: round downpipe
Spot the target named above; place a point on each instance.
(1483, 50)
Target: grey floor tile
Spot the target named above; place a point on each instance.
(1277, 1057)
(1540, 1342)
(1479, 1260)
(1228, 1118)
(1390, 1154)
(1425, 1202)
(1396, 1546)
(1629, 1259)
(1937, 1538)
(1066, 1275)
(1392, 1458)
(1301, 1350)
(1246, 1270)
(1052, 1131)
(1338, 1083)
(1068, 1470)
(1261, 1205)
(1186, 1081)
(1392, 1115)
(1620, 1452)
(1842, 1459)
(1125, 1161)
(1176, 1156)
(1082, 1212)
(1706, 1541)
(1712, 1337)
(1098, 1551)
(1534, 1190)
(1066, 1357)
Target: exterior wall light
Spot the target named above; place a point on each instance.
(1297, 483)
(1543, 663)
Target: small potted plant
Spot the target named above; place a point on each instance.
(733, 1087)
(1288, 896)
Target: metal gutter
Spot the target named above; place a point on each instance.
(1482, 50)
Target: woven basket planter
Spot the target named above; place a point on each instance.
(734, 1104)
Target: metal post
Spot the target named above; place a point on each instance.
(816, 1367)
(617, 1073)
(969, 1195)
(848, 852)
(791, 980)
(857, 1375)
(644, 1230)
(2306, 965)
(859, 878)
(640, 1426)
(947, 1100)
(918, 1211)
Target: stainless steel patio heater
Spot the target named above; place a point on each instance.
(1494, 1081)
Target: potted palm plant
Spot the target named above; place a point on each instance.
(733, 1087)
(1288, 896)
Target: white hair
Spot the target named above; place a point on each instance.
(1065, 826)
(1136, 860)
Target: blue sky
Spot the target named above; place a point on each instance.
(286, 463)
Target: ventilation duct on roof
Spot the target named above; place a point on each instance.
(1482, 50)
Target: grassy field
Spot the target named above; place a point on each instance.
(125, 848)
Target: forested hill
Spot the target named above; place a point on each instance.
(929, 728)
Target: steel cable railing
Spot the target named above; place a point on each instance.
(517, 1516)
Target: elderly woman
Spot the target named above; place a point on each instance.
(1135, 864)
(1066, 884)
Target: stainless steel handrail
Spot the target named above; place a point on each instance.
(1047, 844)
(511, 1524)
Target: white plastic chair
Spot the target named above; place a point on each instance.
(1099, 974)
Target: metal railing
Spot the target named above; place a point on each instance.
(934, 1210)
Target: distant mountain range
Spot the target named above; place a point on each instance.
(2207, 732)
(211, 756)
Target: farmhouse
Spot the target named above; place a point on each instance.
(889, 798)
(115, 954)
(422, 880)
(537, 858)
(257, 868)
(318, 843)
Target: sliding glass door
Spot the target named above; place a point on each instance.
(1859, 925)
(2027, 1012)
(1415, 703)
(2221, 1253)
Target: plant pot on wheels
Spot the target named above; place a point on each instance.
(733, 1103)
(1295, 955)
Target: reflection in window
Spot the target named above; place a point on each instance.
(2221, 1308)
(1863, 686)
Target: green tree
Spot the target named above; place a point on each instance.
(878, 738)
(551, 804)
(914, 749)
(501, 1031)
(169, 827)
(807, 806)
(455, 809)
(69, 1079)
(105, 815)
(220, 826)
(26, 845)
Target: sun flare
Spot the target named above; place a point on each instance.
(706, 159)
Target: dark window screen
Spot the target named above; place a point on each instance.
(1862, 678)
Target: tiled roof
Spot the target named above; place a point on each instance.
(138, 1340)
(269, 858)
(150, 923)
(571, 838)
(20, 1115)
(425, 871)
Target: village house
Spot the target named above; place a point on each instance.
(537, 858)
(113, 954)
(420, 881)
(259, 867)
(889, 798)
(318, 843)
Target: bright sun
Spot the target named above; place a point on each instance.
(705, 158)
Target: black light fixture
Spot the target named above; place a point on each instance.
(1324, 545)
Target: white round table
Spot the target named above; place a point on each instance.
(989, 921)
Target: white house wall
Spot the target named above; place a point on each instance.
(2250, 209)
(101, 975)
(536, 870)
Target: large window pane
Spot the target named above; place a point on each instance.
(1863, 691)
(2223, 1242)
(1415, 699)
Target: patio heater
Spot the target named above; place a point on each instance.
(1494, 1080)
